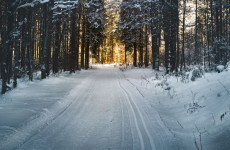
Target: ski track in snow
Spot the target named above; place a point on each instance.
(100, 113)
(105, 110)
(143, 133)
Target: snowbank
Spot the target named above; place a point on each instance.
(196, 113)
(220, 68)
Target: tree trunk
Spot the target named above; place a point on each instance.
(78, 36)
(45, 41)
(57, 45)
(196, 53)
(141, 48)
(135, 54)
(87, 46)
(183, 36)
(29, 56)
(83, 40)
(17, 50)
(146, 46)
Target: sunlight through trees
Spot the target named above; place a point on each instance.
(68, 35)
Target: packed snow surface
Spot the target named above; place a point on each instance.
(107, 108)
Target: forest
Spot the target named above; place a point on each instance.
(114, 74)
(53, 36)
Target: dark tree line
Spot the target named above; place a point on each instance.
(62, 35)
(205, 41)
(48, 35)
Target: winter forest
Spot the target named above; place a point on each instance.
(115, 74)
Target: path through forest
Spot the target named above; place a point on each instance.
(104, 112)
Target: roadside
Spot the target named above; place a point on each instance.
(196, 112)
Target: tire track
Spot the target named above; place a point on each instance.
(145, 138)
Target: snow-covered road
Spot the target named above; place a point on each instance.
(104, 115)
(107, 109)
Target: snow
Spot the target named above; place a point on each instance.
(106, 108)
(220, 68)
(207, 96)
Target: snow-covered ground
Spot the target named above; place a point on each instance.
(105, 108)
